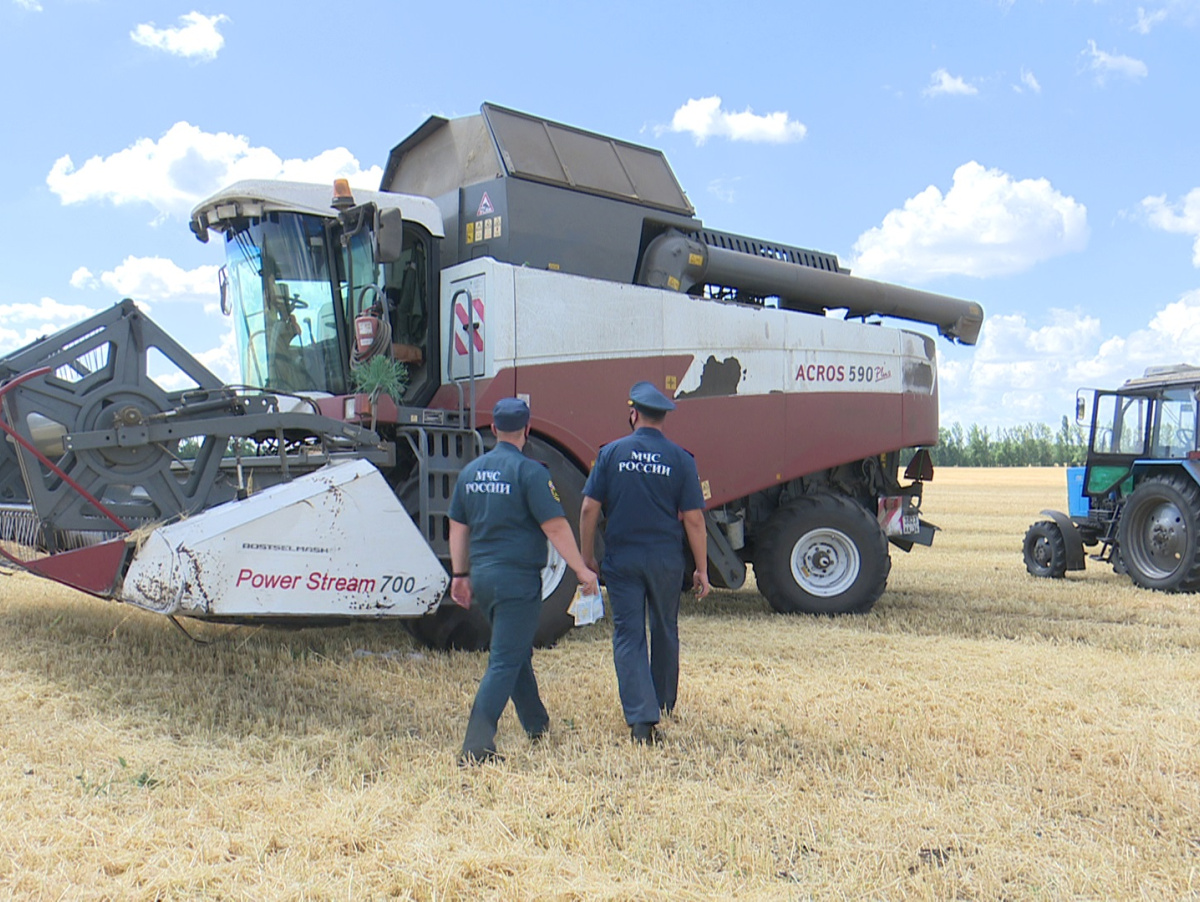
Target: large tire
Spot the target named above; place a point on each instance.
(822, 554)
(558, 580)
(1159, 534)
(1045, 550)
(453, 627)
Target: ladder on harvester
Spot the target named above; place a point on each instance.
(444, 442)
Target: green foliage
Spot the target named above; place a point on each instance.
(381, 376)
(189, 448)
(99, 787)
(1031, 445)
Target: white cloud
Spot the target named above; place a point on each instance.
(1021, 372)
(83, 278)
(705, 119)
(1030, 82)
(723, 189)
(32, 5)
(1105, 64)
(1147, 20)
(186, 164)
(222, 360)
(987, 224)
(942, 82)
(1183, 217)
(22, 323)
(46, 310)
(159, 279)
(197, 37)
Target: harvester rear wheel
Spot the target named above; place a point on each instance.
(822, 554)
(1159, 534)
(1045, 550)
(468, 630)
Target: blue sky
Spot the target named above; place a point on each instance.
(1038, 157)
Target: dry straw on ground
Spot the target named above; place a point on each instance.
(980, 735)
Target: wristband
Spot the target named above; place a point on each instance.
(462, 575)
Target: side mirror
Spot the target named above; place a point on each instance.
(1080, 409)
(389, 236)
(223, 287)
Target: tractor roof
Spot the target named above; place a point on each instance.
(1178, 374)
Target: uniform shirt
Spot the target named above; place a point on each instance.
(642, 482)
(504, 497)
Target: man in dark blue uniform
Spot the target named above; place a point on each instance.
(503, 510)
(645, 484)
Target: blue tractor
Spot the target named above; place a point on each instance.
(1138, 496)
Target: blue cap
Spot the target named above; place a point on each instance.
(645, 396)
(510, 415)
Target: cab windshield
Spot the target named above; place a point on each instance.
(283, 304)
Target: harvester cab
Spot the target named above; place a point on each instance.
(1138, 495)
(317, 283)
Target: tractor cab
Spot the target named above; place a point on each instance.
(1150, 421)
(316, 283)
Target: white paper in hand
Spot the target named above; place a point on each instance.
(586, 608)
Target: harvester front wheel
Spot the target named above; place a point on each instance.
(1045, 550)
(822, 554)
(1159, 534)
(468, 630)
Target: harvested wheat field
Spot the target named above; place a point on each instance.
(980, 735)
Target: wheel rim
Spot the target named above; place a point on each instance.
(552, 573)
(1040, 552)
(825, 562)
(1158, 539)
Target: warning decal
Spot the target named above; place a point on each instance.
(471, 324)
(485, 206)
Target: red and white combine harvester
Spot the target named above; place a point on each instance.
(506, 255)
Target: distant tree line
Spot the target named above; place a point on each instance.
(1031, 445)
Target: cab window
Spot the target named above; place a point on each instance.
(1120, 424)
(1175, 424)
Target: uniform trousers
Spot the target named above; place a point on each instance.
(646, 586)
(512, 602)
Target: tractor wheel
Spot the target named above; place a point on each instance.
(1159, 534)
(453, 627)
(1045, 550)
(822, 554)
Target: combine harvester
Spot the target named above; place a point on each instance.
(506, 255)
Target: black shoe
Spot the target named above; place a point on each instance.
(644, 734)
(539, 736)
(484, 756)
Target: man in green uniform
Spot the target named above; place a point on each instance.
(503, 510)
